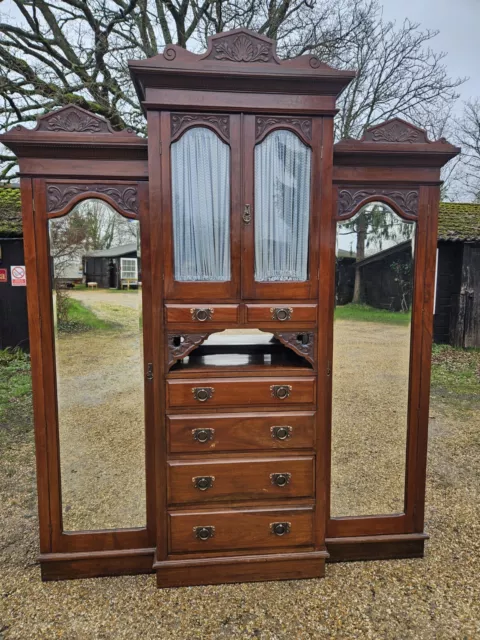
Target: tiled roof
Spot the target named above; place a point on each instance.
(459, 221)
(10, 212)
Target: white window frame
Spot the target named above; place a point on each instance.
(122, 270)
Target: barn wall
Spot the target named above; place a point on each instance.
(449, 271)
(344, 280)
(380, 289)
(13, 300)
(465, 323)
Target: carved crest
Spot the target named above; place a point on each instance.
(350, 198)
(241, 45)
(303, 125)
(59, 195)
(73, 119)
(396, 130)
(181, 121)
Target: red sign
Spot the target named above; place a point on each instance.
(3, 275)
(19, 279)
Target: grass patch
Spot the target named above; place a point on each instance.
(365, 313)
(455, 371)
(15, 397)
(81, 318)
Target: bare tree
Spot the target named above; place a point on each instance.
(58, 52)
(469, 140)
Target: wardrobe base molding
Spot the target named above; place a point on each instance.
(378, 547)
(95, 564)
(258, 568)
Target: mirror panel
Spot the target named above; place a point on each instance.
(97, 296)
(201, 207)
(371, 357)
(282, 208)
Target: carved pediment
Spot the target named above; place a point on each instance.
(241, 45)
(395, 130)
(74, 119)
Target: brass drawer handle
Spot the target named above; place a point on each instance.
(280, 479)
(281, 433)
(202, 394)
(280, 528)
(205, 533)
(247, 214)
(203, 435)
(281, 391)
(203, 482)
(201, 315)
(281, 313)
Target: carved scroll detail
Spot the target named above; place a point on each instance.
(73, 119)
(350, 198)
(290, 340)
(303, 125)
(60, 194)
(182, 120)
(396, 130)
(242, 48)
(179, 351)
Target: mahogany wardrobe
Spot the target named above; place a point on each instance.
(230, 324)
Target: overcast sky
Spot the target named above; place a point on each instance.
(459, 24)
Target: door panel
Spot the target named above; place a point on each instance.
(201, 185)
(280, 217)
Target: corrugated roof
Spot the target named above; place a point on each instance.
(459, 221)
(10, 212)
(114, 252)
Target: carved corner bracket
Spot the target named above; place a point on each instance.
(301, 342)
(350, 200)
(123, 197)
(181, 121)
(303, 126)
(180, 345)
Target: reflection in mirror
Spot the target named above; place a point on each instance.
(282, 208)
(371, 353)
(96, 292)
(201, 207)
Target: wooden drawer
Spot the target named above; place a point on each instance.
(281, 314)
(243, 392)
(241, 432)
(240, 479)
(247, 529)
(201, 314)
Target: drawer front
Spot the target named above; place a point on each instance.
(252, 529)
(281, 314)
(243, 392)
(241, 432)
(234, 479)
(201, 314)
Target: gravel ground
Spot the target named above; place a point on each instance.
(435, 598)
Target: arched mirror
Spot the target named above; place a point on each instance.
(282, 208)
(375, 253)
(96, 284)
(201, 207)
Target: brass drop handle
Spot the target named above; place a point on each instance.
(281, 433)
(247, 214)
(201, 315)
(204, 533)
(203, 482)
(280, 528)
(203, 435)
(202, 394)
(281, 391)
(280, 479)
(281, 313)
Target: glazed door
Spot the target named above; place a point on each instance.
(280, 201)
(201, 202)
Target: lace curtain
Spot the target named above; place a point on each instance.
(201, 207)
(282, 208)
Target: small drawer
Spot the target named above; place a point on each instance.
(241, 432)
(281, 314)
(201, 313)
(243, 392)
(248, 529)
(240, 479)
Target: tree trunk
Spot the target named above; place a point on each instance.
(361, 235)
